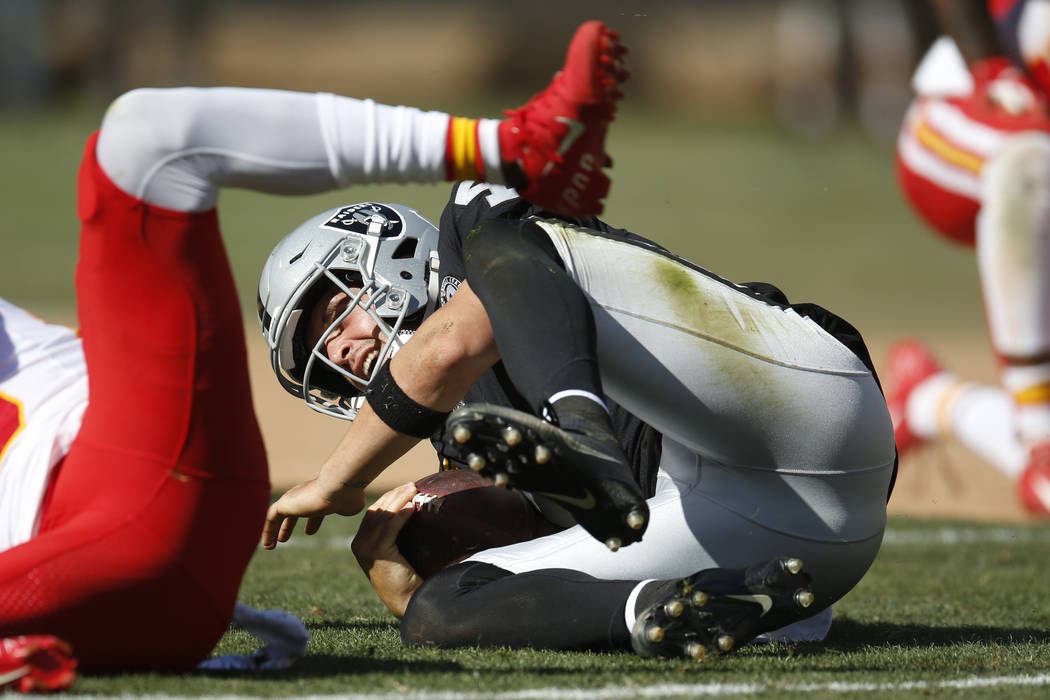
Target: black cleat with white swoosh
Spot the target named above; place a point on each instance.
(715, 611)
(586, 475)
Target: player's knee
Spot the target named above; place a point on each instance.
(428, 617)
(443, 613)
(1020, 167)
(1016, 188)
(145, 129)
(142, 121)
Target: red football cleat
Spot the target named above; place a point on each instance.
(910, 363)
(553, 148)
(34, 663)
(1033, 488)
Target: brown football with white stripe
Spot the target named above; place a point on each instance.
(460, 512)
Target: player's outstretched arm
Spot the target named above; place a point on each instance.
(448, 353)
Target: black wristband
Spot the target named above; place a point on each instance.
(397, 410)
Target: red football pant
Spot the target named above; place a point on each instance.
(157, 508)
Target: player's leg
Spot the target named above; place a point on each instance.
(142, 573)
(703, 515)
(547, 345)
(930, 403)
(476, 603)
(1013, 257)
(176, 147)
(708, 612)
(722, 368)
(161, 496)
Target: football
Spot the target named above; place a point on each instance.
(460, 512)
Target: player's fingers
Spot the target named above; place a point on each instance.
(401, 495)
(313, 524)
(287, 527)
(394, 499)
(269, 531)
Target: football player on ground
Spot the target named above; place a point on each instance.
(133, 480)
(701, 441)
(973, 159)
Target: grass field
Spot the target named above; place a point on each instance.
(949, 606)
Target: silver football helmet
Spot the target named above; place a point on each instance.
(383, 256)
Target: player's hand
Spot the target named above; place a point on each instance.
(375, 547)
(311, 500)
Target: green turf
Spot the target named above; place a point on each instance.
(928, 611)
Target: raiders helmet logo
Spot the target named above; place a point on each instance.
(367, 218)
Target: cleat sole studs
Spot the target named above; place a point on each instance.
(613, 543)
(476, 462)
(543, 454)
(461, 434)
(511, 436)
(500, 479)
(695, 651)
(699, 599)
(792, 565)
(635, 520)
(674, 608)
(725, 642)
(655, 634)
(804, 598)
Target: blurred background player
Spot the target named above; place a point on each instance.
(973, 159)
(133, 479)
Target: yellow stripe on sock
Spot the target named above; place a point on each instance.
(947, 150)
(1040, 393)
(463, 149)
(944, 407)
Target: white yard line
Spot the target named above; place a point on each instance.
(650, 691)
(967, 535)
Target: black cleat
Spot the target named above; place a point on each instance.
(716, 610)
(585, 475)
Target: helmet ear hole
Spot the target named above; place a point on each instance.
(406, 250)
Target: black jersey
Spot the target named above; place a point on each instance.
(473, 202)
(469, 204)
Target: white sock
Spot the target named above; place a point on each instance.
(980, 417)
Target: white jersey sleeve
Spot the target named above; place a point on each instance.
(43, 394)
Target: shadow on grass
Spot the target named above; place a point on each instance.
(849, 635)
(358, 625)
(327, 665)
